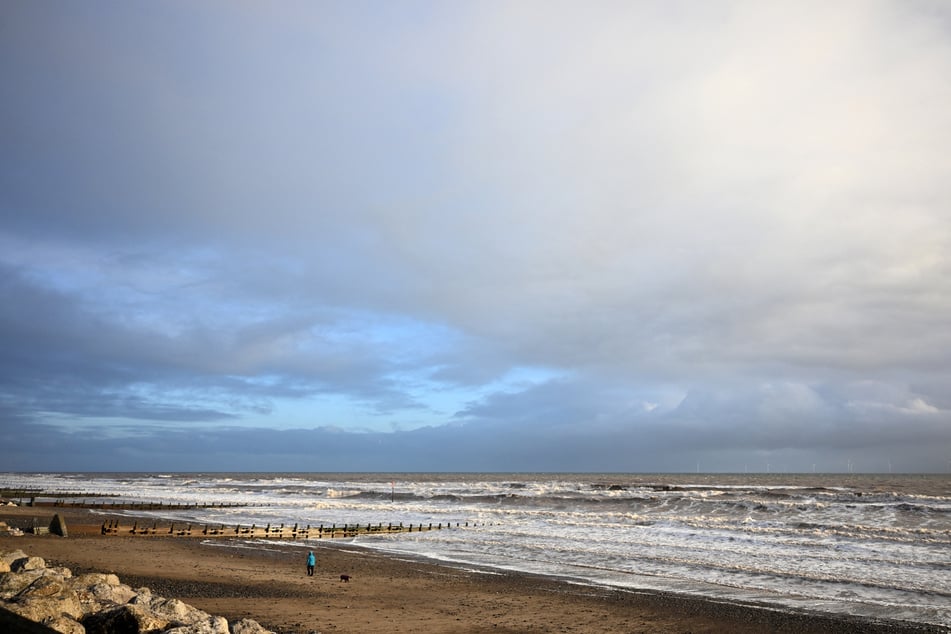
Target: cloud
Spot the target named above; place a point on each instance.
(659, 222)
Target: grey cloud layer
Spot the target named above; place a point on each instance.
(726, 221)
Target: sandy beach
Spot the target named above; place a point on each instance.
(268, 583)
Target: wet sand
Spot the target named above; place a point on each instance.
(268, 583)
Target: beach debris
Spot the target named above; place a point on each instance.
(98, 603)
(6, 529)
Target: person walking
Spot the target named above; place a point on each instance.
(311, 563)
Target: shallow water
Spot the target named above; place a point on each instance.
(869, 545)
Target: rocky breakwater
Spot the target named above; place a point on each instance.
(95, 604)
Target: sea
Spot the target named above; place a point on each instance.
(874, 546)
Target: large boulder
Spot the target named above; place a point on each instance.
(92, 578)
(11, 556)
(181, 614)
(101, 591)
(28, 563)
(11, 584)
(176, 610)
(247, 626)
(44, 610)
(214, 625)
(48, 596)
(65, 625)
(124, 619)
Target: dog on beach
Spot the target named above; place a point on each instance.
(345, 578)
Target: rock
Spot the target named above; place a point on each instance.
(28, 563)
(214, 625)
(65, 625)
(99, 591)
(247, 626)
(15, 582)
(11, 622)
(48, 596)
(12, 584)
(11, 556)
(47, 585)
(92, 578)
(106, 594)
(181, 614)
(175, 610)
(42, 610)
(124, 619)
(142, 595)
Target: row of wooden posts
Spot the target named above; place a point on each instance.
(112, 527)
(32, 493)
(141, 506)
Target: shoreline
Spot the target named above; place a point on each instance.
(390, 594)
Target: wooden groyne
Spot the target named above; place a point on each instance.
(181, 529)
(33, 493)
(138, 506)
(94, 501)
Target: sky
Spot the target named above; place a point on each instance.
(475, 236)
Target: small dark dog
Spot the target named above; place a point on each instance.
(345, 578)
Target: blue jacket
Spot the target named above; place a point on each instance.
(311, 560)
